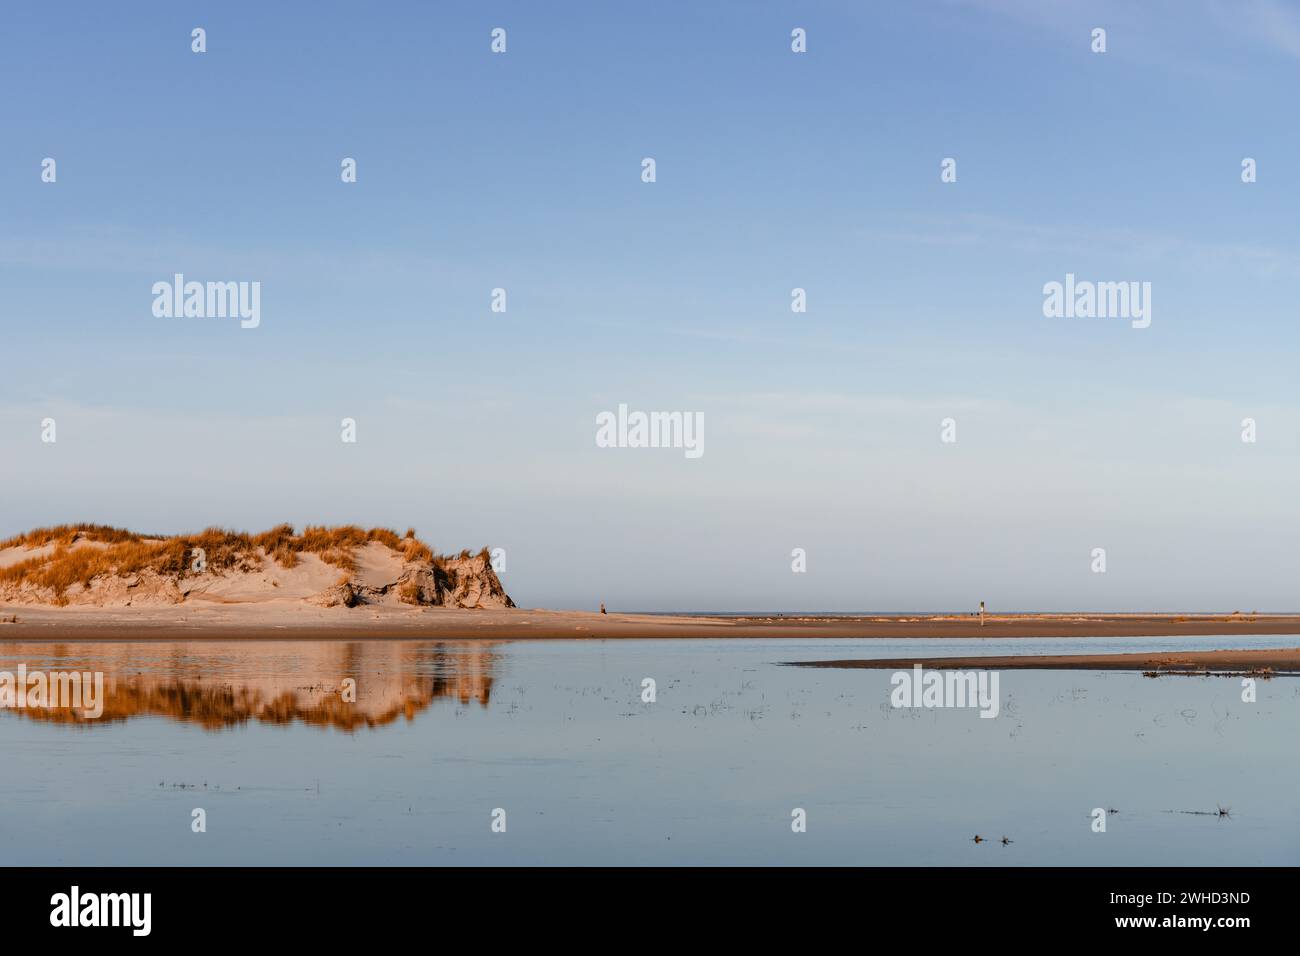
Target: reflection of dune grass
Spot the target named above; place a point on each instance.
(222, 706)
(121, 552)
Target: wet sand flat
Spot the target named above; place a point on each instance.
(208, 620)
(1278, 660)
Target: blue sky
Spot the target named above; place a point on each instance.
(775, 170)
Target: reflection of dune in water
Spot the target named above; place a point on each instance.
(224, 685)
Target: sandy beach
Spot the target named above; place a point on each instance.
(1277, 660)
(204, 620)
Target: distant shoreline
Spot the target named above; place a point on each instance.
(202, 620)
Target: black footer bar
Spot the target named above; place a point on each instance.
(307, 905)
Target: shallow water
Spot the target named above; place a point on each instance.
(556, 734)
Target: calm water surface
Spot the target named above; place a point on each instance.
(556, 734)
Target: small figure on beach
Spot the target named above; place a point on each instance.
(981, 613)
(602, 607)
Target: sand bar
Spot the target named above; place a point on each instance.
(1278, 660)
(212, 620)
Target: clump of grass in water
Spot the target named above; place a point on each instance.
(1220, 811)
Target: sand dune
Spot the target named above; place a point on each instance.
(278, 571)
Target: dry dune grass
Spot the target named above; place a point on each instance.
(66, 533)
(415, 550)
(123, 552)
